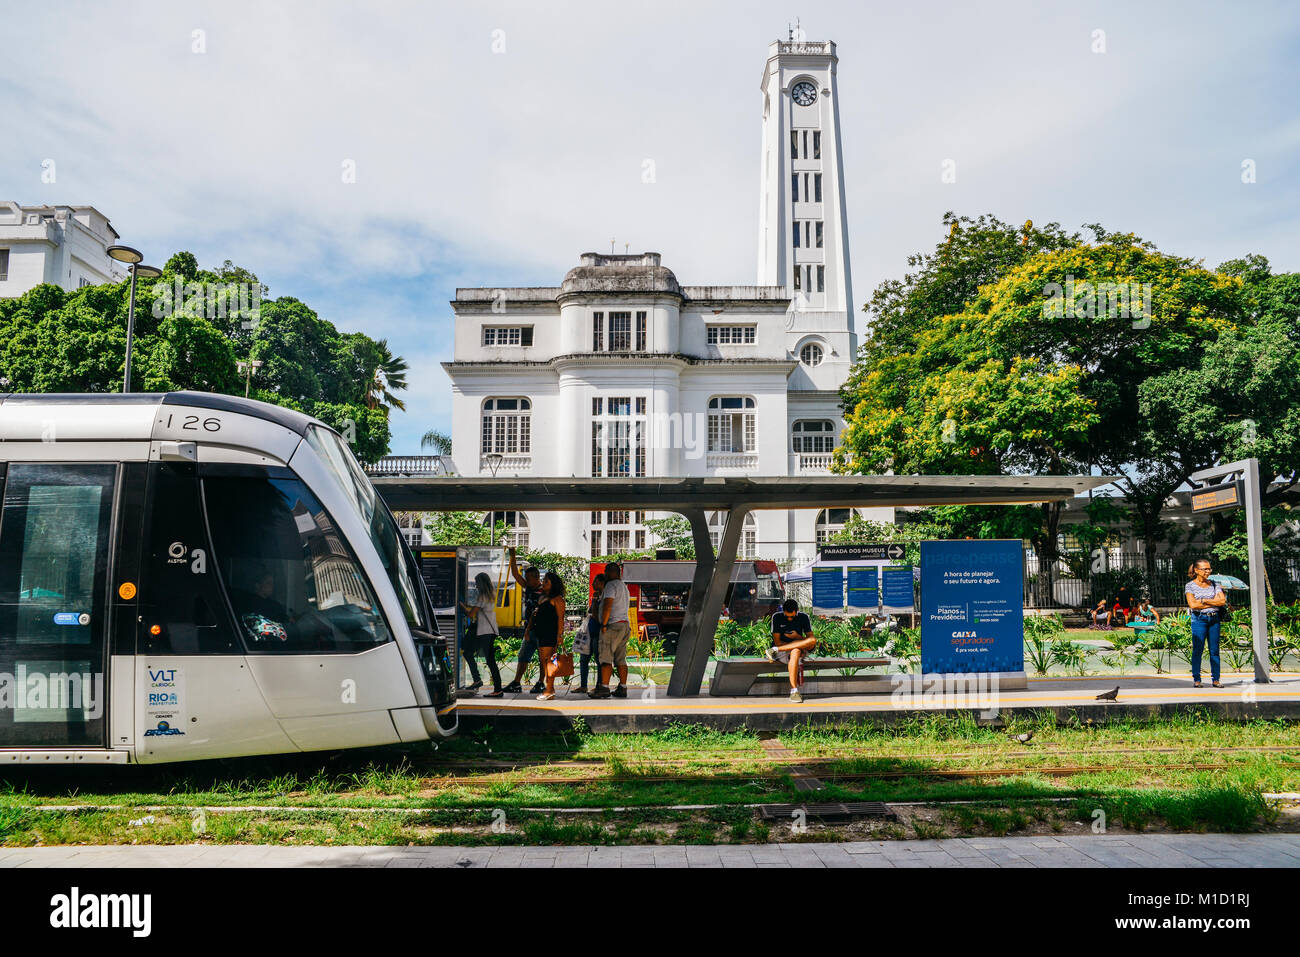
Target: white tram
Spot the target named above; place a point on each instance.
(193, 575)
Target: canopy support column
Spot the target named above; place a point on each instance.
(708, 590)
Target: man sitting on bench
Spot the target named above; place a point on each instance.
(792, 638)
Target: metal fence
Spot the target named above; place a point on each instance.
(1081, 580)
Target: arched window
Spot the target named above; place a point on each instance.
(507, 426)
(811, 354)
(731, 424)
(517, 536)
(830, 521)
(813, 436)
(748, 546)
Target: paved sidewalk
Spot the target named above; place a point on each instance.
(1145, 850)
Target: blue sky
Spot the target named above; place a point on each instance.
(495, 142)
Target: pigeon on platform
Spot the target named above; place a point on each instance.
(1109, 695)
(1025, 738)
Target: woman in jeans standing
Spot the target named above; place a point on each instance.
(1205, 601)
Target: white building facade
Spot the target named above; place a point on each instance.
(621, 371)
(62, 245)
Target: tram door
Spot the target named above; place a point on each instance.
(54, 546)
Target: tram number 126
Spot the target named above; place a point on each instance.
(191, 423)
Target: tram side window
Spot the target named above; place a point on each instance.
(180, 593)
(294, 583)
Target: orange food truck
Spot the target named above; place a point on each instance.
(658, 590)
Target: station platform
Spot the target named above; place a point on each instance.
(647, 708)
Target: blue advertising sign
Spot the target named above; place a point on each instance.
(972, 612)
(828, 588)
(864, 589)
(896, 587)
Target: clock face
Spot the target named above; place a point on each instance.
(804, 93)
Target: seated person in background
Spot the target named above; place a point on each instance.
(792, 638)
(1125, 603)
(1101, 616)
(1120, 617)
(1145, 612)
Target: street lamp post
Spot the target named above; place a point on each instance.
(248, 368)
(133, 258)
(494, 462)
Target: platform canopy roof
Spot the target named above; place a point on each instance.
(455, 493)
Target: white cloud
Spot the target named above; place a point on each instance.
(477, 167)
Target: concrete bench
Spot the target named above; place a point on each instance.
(734, 677)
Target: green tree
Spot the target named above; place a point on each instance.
(673, 532)
(440, 442)
(1038, 375)
(464, 528)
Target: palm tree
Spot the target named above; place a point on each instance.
(389, 377)
(440, 442)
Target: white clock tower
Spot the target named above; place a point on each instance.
(803, 230)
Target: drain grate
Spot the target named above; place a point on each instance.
(826, 812)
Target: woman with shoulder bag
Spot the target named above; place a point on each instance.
(593, 638)
(1206, 603)
(483, 615)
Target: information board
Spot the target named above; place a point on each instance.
(828, 589)
(896, 588)
(864, 588)
(972, 614)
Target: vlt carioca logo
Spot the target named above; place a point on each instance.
(163, 729)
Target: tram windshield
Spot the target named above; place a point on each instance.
(294, 583)
(384, 534)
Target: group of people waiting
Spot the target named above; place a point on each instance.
(608, 629)
(543, 616)
(1123, 611)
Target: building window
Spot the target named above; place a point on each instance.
(597, 332)
(507, 335)
(748, 546)
(811, 354)
(620, 332)
(830, 521)
(618, 437)
(507, 426)
(517, 522)
(731, 424)
(821, 278)
(817, 186)
(805, 144)
(640, 331)
(794, 144)
(806, 193)
(731, 335)
(617, 531)
(817, 145)
(819, 234)
(796, 234)
(798, 274)
(813, 436)
(794, 187)
(4, 264)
